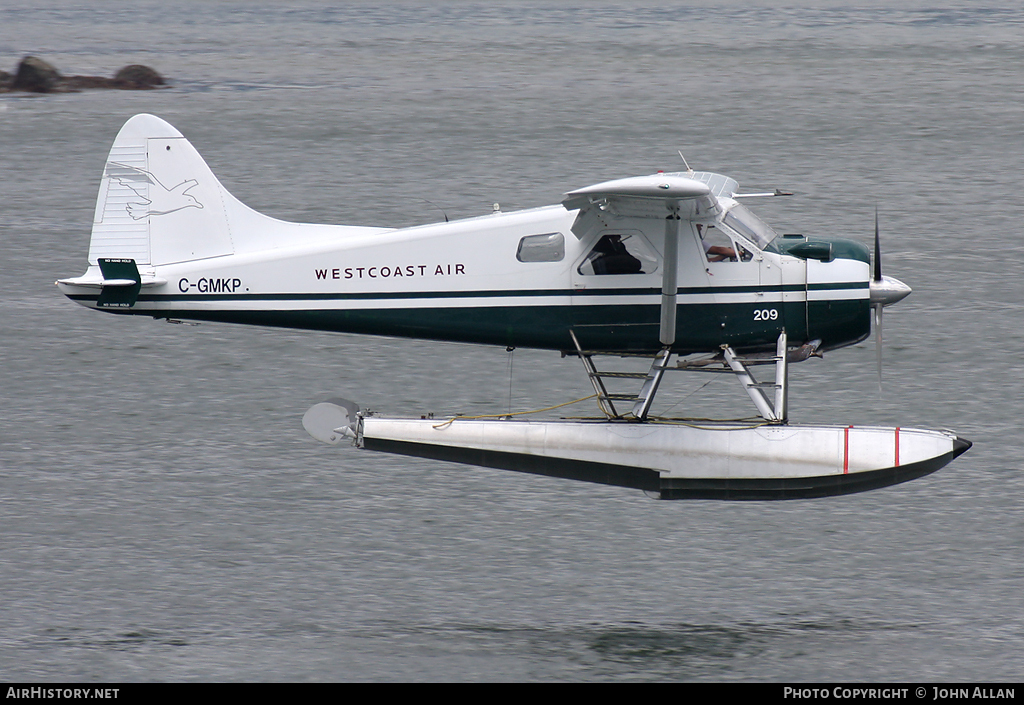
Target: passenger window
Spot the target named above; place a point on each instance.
(719, 246)
(541, 248)
(620, 253)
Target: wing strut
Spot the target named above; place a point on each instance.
(667, 333)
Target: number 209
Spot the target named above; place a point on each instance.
(766, 314)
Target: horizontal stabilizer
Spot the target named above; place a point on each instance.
(121, 283)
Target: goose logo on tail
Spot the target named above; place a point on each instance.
(161, 201)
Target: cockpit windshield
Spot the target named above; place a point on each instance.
(750, 226)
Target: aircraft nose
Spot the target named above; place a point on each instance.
(888, 291)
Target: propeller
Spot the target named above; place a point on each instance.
(878, 306)
(884, 291)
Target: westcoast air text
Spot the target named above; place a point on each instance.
(386, 272)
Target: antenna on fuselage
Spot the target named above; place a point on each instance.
(688, 169)
(435, 206)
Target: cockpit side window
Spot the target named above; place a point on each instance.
(620, 253)
(720, 246)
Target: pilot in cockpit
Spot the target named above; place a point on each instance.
(610, 256)
(713, 252)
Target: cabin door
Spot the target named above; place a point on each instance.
(733, 271)
(613, 284)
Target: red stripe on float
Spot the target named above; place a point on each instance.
(897, 446)
(846, 450)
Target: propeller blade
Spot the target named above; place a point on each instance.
(878, 251)
(879, 305)
(878, 342)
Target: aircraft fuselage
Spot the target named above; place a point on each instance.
(169, 241)
(466, 281)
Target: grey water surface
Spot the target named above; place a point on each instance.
(163, 515)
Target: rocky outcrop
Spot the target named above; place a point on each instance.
(139, 76)
(37, 76)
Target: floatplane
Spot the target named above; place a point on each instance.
(669, 269)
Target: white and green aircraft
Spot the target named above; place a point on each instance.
(670, 266)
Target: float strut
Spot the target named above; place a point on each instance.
(774, 407)
(642, 407)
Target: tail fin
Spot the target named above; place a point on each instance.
(159, 203)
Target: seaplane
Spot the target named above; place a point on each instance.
(667, 272)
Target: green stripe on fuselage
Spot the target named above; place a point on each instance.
(611, 327)
(503, 293)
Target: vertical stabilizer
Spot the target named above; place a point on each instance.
(159, 203)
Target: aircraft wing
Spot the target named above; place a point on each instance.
(694, 195)
(666, 197)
